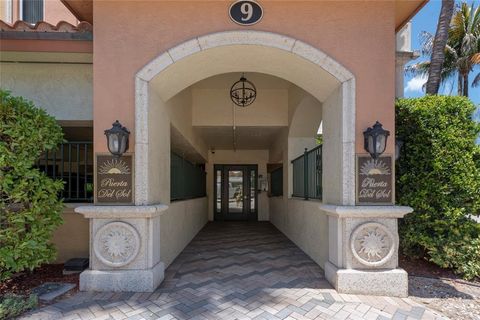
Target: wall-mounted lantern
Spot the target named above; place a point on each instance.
(243, 92)
(375, 140)
(117, 139)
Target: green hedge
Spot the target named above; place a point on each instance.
(438, 174)
(29, 206)
(12, 305)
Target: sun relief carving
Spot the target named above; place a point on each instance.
(116, 244)
(372, 244)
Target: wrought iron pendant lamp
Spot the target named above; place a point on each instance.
(243, 92)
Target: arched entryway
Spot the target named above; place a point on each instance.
(250, 51)
(160, 228)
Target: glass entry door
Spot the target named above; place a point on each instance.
(235, 196)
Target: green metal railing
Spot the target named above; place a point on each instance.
(187, 181)
(71, 162)
(276, 182)
(307, 174)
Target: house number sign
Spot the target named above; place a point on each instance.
(245, 12)
(375, 180)
(114, 179)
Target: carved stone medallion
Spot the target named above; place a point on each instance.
(372, 244)
(116, 244)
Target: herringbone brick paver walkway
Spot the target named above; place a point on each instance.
(237, 271)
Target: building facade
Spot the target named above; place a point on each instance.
(167, 71)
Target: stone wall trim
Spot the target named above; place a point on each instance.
(365, 211)
(121, 212)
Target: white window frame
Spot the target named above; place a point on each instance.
(9, 11)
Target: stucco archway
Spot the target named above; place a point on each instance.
(309, 69)
(266, 52)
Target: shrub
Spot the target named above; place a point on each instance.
(438, 174)
(14, 305)
(29, 206)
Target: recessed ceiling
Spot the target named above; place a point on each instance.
(248, 138)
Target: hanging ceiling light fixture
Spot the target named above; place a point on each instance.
(243, 92)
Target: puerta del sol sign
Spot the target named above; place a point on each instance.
(374, 180)
(114, 180)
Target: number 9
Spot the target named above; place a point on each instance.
(247, 11)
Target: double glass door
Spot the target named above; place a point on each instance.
(235, 195)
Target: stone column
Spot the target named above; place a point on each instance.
(363, 250)
(124, 248)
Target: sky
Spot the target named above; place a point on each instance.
(426, 20)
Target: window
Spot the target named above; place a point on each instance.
(276, 182)
(32, 10)
(72, 162)
(187, 180)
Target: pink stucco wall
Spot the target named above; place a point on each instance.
(128, 34)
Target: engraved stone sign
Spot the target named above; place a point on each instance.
(375, 180)
(114, 179)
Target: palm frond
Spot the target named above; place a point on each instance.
(476, 81)
(418, 69)
(475, 59)
(426, 40)
(475, 29)
(457, 27)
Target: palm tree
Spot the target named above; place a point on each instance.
(464, 37)
(439, 43)
(462, 51)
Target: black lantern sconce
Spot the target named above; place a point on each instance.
(243, 92)
(117, 139)
(375, 140)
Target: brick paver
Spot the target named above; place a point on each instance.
(237, 271)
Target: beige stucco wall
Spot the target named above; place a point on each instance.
(179, 224)
(213, 107)
(71, 239)
(303, 223)
(65, 91)
(332, 155)
(258, 157)
(179, 109)
(157, 185)
(176, 22)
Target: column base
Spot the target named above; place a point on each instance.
(122, 280)
(386, 282)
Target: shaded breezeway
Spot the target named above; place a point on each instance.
(237, 270)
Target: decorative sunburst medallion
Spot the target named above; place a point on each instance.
(374, 166)
(116, 244)
(114, 166)
(372, 244)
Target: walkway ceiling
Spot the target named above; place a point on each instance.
(248, 138)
